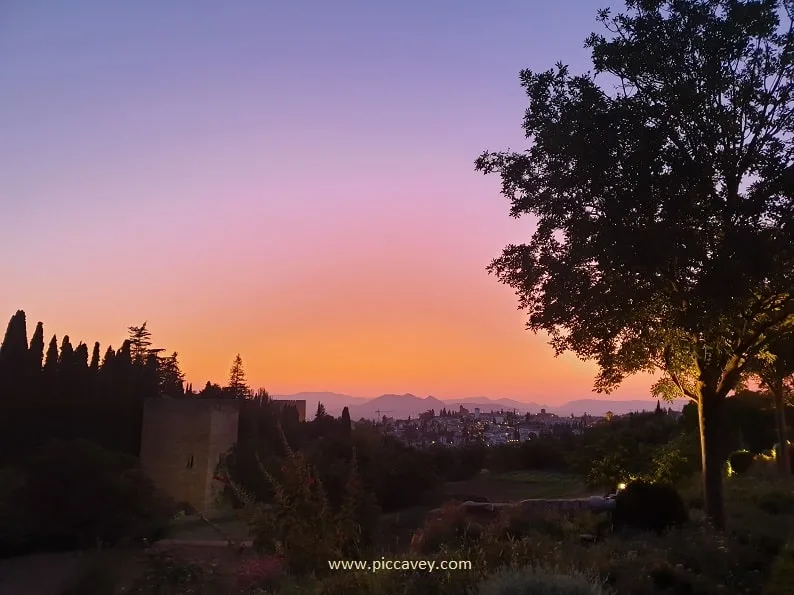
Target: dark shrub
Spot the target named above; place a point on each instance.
(740, 461)
(782, 576)
(76, 494)
(541, 582)
(649, 506)
(452, 528)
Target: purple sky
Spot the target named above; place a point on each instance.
(293, 181)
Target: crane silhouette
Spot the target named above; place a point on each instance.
(378, 412)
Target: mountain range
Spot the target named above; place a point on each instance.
(402, 406)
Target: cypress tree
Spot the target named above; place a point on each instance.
(347, 426)
(94, 366)
(14, 357)
(63, 406)
(36, 351)
(35, 361)
(50, 372)
(66, 357)
(81, 421)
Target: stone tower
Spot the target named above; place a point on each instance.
(182, 442)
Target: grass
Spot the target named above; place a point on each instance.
(520, 485)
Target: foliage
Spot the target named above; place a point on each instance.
(649, 506)
(674, 461)
(166, 574)
(70, 397)
(300, 524)
(75, 494)
(659, 201)
(782, 576)
(645, 445)
(237, 387)
(451, 528)
(740, 461)
(260, 572)
(542, 582)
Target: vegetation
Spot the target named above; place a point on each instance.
(516, 582)
(68, 495)
(740, 461)
(659, 201)
(659, 206)
(650, 507)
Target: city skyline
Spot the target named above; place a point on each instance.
(294, 183)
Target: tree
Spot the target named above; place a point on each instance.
(50, 368)
(14, 356)
(237, 384)
(212, 391)
(346, 423)
(66, 370)
(94, 365)
(36, 350)
(140, 344)
(320, 411)
(664, 238)
(776, 372)
(171, 376)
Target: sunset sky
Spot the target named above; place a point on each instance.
(292, 181)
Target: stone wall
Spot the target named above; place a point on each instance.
(491, 510)
(181, 443)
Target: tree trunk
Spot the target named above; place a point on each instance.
(710, 414)
(783, 461)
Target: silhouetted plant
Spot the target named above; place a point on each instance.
(537, 581)
(300, 524)
(739, 461)
(76, 494)
(648, 506)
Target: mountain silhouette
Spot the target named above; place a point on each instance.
(402, 406)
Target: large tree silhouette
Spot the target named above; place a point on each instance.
(663, 201)
(238, 388)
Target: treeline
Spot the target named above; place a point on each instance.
(55, 390)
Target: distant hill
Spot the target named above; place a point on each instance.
(333, 402)
(401, 406)
(488, 404)
(397, 406)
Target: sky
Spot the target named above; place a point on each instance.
(291, 181)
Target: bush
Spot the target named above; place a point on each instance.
(260, 572)
(452, 528)
(782, 578)
(300, 525)
(165, 574)
(739, 461)
(650, 507)
(541, 582)
(74, 495)
(675, 460)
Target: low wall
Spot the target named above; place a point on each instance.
(595, 504)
